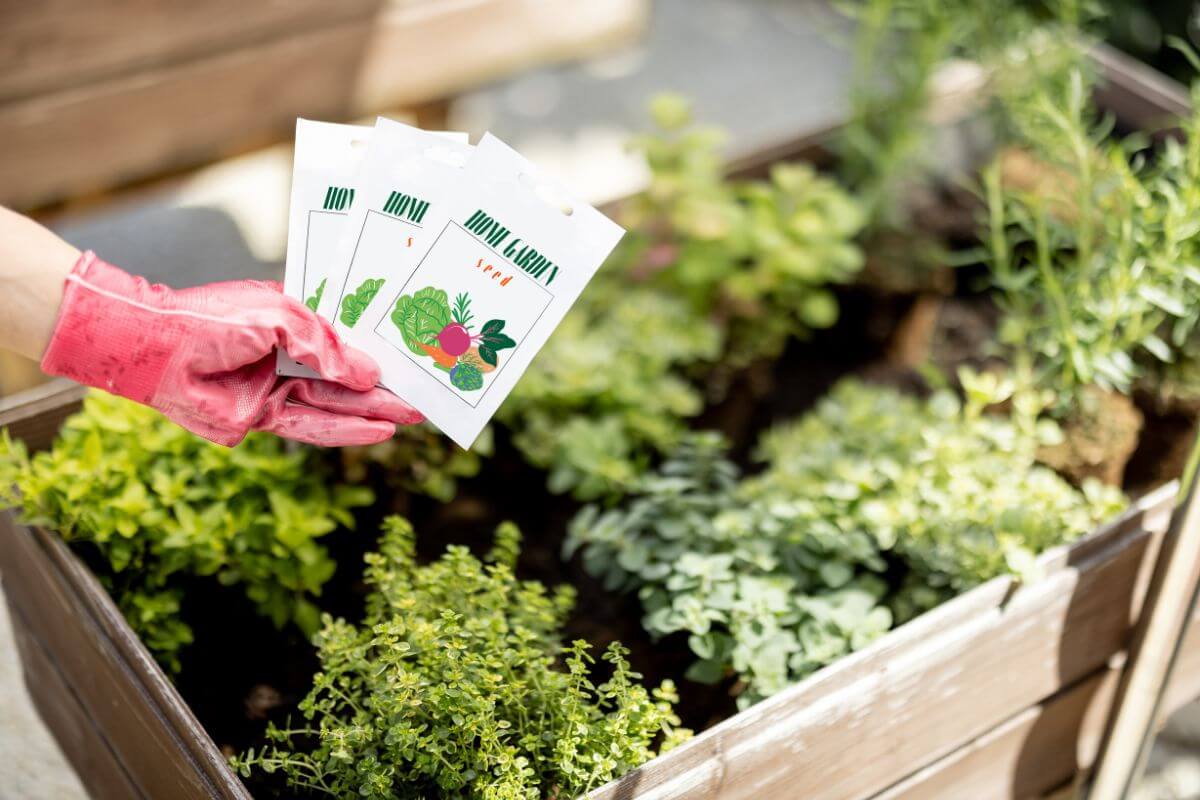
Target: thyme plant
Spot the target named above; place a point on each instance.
(158, 502)
(456, 684)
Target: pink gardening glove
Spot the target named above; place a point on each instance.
(205, 357)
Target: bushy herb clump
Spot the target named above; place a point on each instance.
(757, 256)
(713, 270)
(608, 392)
(158, 502)
(419, 459)
(898, 48)
(777, 575)
(1097, 264)
(457, 685)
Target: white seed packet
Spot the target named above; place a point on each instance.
(326, 161)
(402, 182)
(508, 255)
(325, 175)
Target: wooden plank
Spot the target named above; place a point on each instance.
(1045, 746)
(1139, 96)
(84, 746)
(56, 44)
(131, 126)
(923, 690)
(34, 415)
(145, 722)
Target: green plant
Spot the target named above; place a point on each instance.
(754, 599)
(456, 684)
(1099, 272)
(418, 459)
(158, 502)
(608, 393)
(712, 270)
(353, 305)
(898, 48)
(756, 256)
(776, 575)
(955, 491)
(315, 300)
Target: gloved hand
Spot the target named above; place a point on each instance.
(204, 357)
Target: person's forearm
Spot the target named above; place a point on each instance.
(34, 262)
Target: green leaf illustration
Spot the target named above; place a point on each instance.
(491, 340)
(353, 305)
(315, 300)
(462, 310)
(421, 317)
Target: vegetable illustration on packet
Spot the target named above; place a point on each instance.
(455, 324)
(431, 327)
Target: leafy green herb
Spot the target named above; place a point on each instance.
(157, 502)
(353, 305)
(457, 684)
(315, 300)
(759, 256)
(777, 575)
(1095, 263)
(421, 317)
(608, 391)
(712, 270)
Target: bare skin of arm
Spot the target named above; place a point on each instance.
(33, 264)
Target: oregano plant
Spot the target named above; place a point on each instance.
(157, 502)
(457, 684)
(776, 575)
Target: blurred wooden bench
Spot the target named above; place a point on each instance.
(95, 95)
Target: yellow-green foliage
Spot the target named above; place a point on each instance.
(457, 684)
(158, 502)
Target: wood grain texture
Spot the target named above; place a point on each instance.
(1045, 746)
(85, 747)
(34, 415)
(131, 125)
(51, 45)
(149, 728)
(927, 688)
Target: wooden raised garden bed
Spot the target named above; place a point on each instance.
(1001, 692)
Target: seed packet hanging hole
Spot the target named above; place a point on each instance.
(547, 194)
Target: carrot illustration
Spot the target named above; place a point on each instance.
(439, 355)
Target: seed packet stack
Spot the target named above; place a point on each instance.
(450, 264)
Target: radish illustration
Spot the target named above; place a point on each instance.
(456, 337)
